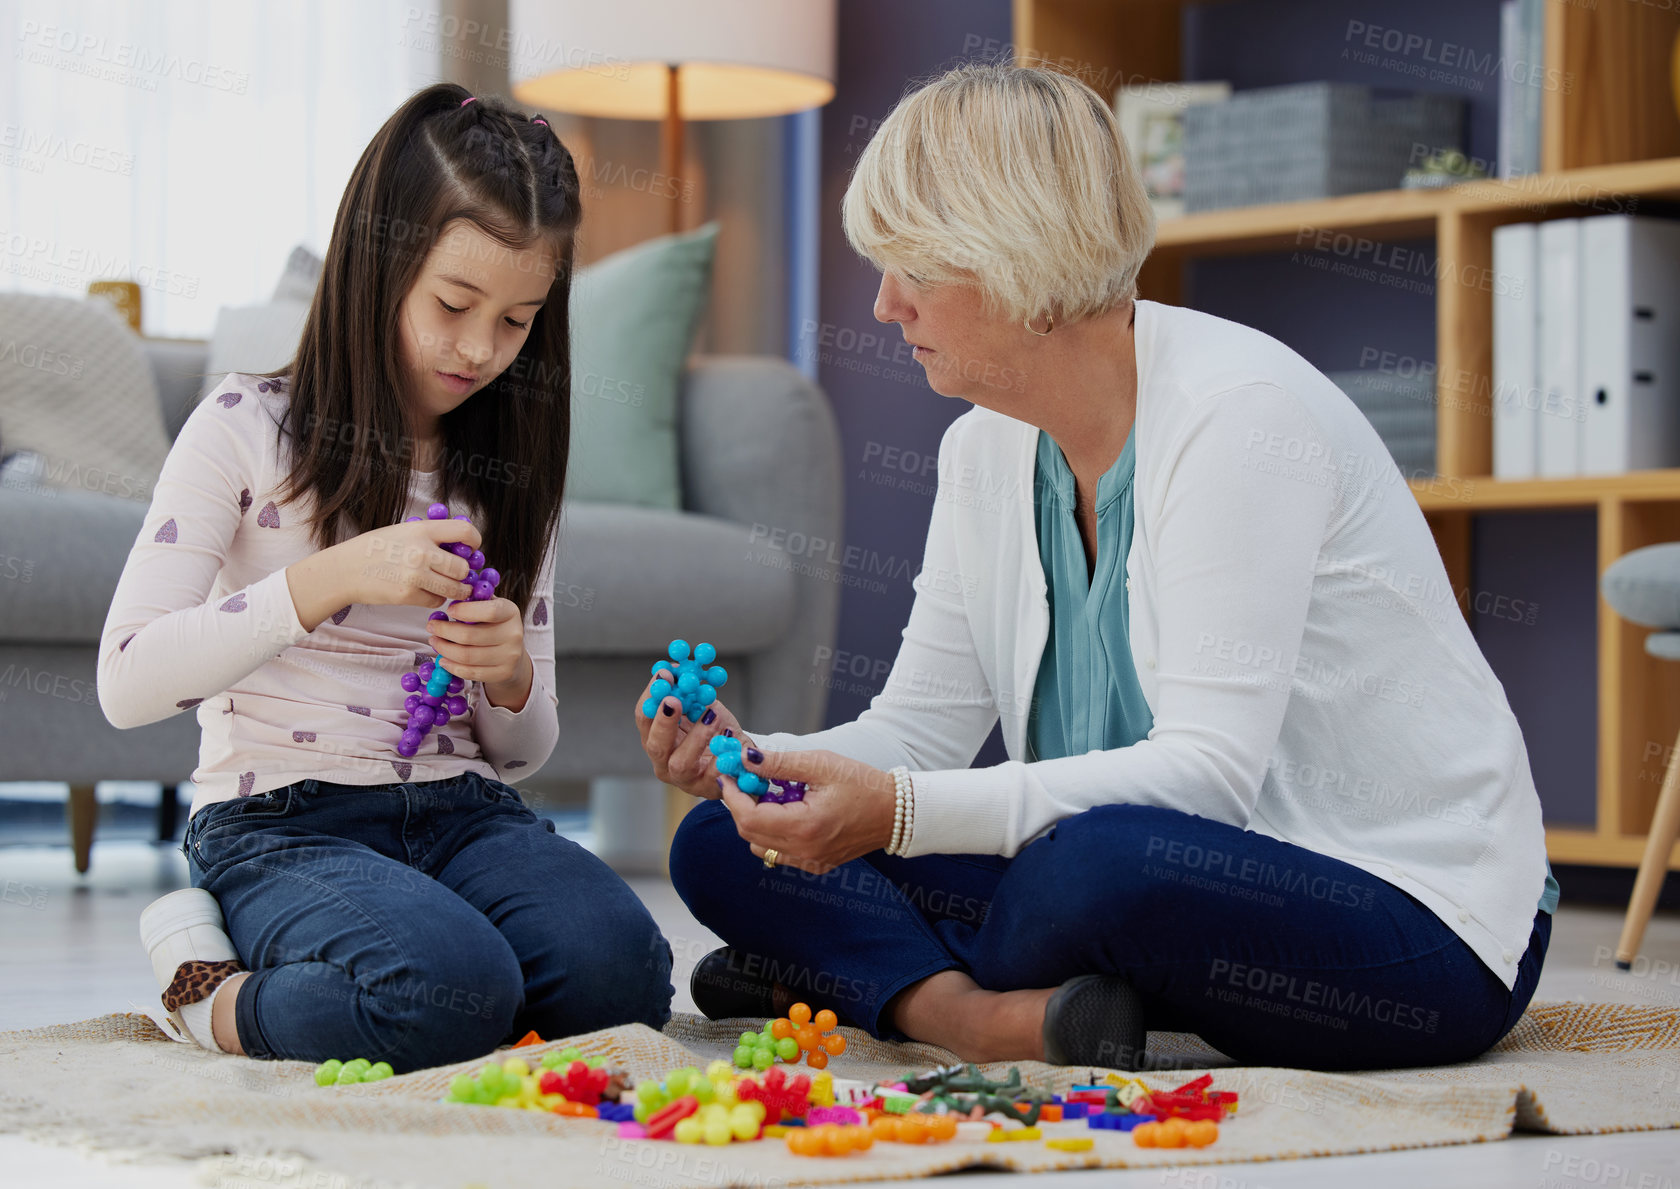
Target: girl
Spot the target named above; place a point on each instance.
(408, 909)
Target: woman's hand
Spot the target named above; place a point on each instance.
(681, 750)
(847, 811)
(482, 641)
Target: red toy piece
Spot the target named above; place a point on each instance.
(664, 1121)
(1192, 1101)
(780, 1095)
(579, 1083)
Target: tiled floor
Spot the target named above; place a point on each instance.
(69, 950)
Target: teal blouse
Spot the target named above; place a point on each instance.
(1086, 697)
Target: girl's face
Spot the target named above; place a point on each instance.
(467, 316)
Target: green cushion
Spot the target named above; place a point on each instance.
(634, 316)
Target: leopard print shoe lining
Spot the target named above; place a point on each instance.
(195, 980)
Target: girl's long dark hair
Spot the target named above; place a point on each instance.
(505, 447)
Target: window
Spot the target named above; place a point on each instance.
(190, 145)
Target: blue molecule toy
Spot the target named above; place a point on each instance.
(697, 680)
(726, 749)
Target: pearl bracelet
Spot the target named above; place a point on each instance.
(904, 811)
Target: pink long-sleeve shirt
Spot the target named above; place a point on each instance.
(203, 619)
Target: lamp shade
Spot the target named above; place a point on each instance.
(739, 58)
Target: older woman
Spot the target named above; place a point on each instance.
(1262, 786)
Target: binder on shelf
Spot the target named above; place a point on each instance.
(1630, 343)
(1516, 296)
(1561, 411)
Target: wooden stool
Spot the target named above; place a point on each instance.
(1665, 827)
(1643, 587)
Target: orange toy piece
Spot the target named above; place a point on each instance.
(807, 1032)
(831, 1139)
(1201, 1133)
(914, 1128)
(529, 1039)
(1170, 1133)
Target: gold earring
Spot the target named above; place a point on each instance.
(1049, 324)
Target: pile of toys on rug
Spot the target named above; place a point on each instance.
(817, 1114)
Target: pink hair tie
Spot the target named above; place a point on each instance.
(468, 99)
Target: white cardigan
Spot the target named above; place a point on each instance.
(1296, 637)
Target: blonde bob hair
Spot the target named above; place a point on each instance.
(1014, 178)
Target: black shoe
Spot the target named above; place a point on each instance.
(725, 987)
(1095, 1020)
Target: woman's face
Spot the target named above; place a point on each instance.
(467, 315)
(964, 353)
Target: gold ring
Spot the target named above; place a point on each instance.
(770, 857)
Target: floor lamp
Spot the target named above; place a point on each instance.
(673, 61)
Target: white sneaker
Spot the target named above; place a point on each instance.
(184, 926)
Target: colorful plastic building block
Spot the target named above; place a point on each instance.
(961, 1088)
(783, 1097)
(915, 1128)
(351, 1073)
(579, 1083)
(1104, 1121)
(1012, 1134)
(717, 1124)
(788, 1038)
(1194, 1100)
(513, 1083)
(434, 694)
(664, 1120)
(813, 1036)
(694, 680)
(828, 1140)
(726, 754)
(1176, 1132)
(1070, 1143)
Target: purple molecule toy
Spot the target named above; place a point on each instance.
(434, 694)
(695, 685)
(727, 750)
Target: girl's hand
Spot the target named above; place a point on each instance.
(847, 811)
(405, 564)
(487, 644)
(681, 750)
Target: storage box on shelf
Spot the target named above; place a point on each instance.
(1608, 147)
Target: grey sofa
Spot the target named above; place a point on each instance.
(760, 452)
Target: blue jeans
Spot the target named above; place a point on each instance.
(1272, 953)
(420, 923)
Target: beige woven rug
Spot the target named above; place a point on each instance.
(119, 1085)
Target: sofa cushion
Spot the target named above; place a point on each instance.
(634, 316)
(76, 389)
(631, 580)
(627, 580)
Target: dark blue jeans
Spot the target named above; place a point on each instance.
(420, 923)
(1274, 954)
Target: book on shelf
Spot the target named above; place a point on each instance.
(1522, 45)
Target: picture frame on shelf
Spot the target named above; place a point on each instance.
(1151, 118)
